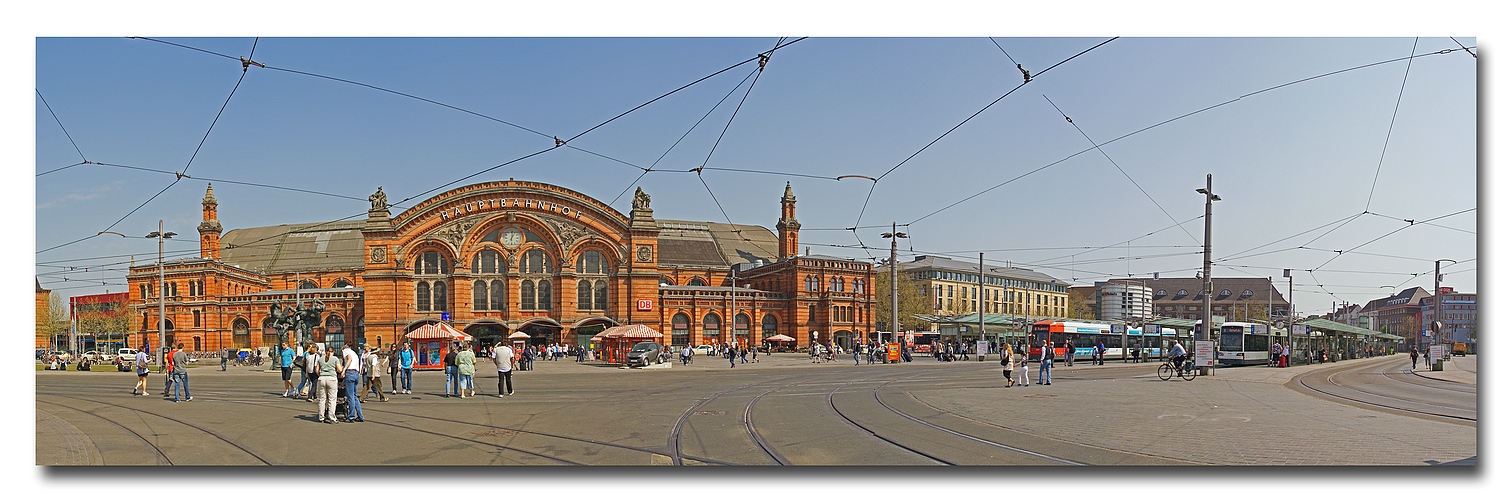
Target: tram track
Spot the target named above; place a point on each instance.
(162, 456)
(214, 434)
(1327, 384)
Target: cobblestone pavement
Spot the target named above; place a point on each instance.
(1239, 416)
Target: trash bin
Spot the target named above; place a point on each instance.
(1438, 365)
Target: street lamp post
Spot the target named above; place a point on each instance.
(162, 292)
(1207, 263)
(892, 281)
(1438, 301)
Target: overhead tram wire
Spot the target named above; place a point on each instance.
(1119, 167)
(64, 129)
(1187, 115)
(1000, 98)
(1340, 253)
(1146, 235)
(684, 136)
(180, 175)
(245, 63)
(1390, 126)
(1240, 254)
(1424, 223)
(1462, 46)
(66, 167)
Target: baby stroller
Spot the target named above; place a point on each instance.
(342, 409)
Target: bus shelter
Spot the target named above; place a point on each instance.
(1324, 339)
(1000, 329)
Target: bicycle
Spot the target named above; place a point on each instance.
(1187, 370)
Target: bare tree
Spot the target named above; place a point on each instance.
(55, 321)
(911, 301)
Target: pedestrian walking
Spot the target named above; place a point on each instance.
(141, 370)
(393, 368)
(1070, 353)
(302, 363)
(373, 366)
(329, 373)
(687, 354)
(286, 368)
(465, 368)
(225, 354)
(167, 372)
(351, 364)
(1023, 368)
(1414, 355)
(730, 353)
(450, 361)
(312, 359)
(1047, 360)
(502, 357)
(1008, 367)
(181, 373)
(1101, 351)
(406, 368)
(1286, 355)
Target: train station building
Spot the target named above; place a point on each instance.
(496, 258)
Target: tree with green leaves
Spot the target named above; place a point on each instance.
(911, 300)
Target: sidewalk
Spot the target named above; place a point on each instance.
(1457, 369)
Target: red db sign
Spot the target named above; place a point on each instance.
(643, 305)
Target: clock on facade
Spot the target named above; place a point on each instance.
(511, 237)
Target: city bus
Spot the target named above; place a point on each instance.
(1085, 336)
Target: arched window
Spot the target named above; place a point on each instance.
(837, 285)
(696, 281)
(270, 335)
(585, 295)
(432, 263)
(592, 262)
(487, 262)
(680, 329)
(496, 295)
(811, 284)
(859, 286)
(543, 295)
(527, 295)
(341, 283)
(742, 327)
(334, 336)
(307, 284)
(601, 295)
(422, 296)
(240, 333)
(768, 326)
(535, 262)
(711, 328)
(664, 280)
(480, 295)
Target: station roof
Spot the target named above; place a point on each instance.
(1323, 324)
(295, 247)
(713, 244)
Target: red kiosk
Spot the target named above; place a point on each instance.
(616, 341)
(431, 342)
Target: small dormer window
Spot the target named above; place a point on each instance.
(1225, 293)
(1181, 293)
(1246, 294)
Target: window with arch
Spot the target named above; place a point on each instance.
(241, 333)
(334, 335)
(697, 281)
(837, 285)
(270, 335)
(432, 262)
(431, 296)
(535, 295)
(768, 326)
(811, 284)
(535, 262)
(742, 326)
(680, 329)
(488, 262)
(341, 283)
(858, 286)
(593, 295)
(307, 284)
(488, 295)
(592, 262)
(527, 295)
(711, 327)
(667, 281)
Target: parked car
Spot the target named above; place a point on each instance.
(99, 357)
(126, 354)
(62, 356)
(643, 354)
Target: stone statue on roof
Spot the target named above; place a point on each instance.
(379, 200)
(642, 200)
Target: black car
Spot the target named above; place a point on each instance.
(643, 354)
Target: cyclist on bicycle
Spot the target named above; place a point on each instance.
(1178, 356)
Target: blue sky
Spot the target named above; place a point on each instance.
(1285, 161)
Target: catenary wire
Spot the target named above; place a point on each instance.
(1186, 115)
(1119, 167)
(61, 127)
(1462, 46)
(684, 136)
(1390, 126)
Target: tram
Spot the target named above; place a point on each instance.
(1242, 343)
(1086, 335)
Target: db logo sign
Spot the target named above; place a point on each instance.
(643, 305)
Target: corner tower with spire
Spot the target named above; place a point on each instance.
(210, 227)
(787, 226)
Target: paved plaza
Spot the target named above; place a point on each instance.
(783, 410)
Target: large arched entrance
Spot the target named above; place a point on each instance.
(486, 332)
(542, 331)
(585, 329)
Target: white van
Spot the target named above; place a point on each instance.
(126, 355)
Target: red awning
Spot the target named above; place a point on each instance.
(629, 332)
(438, 331)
